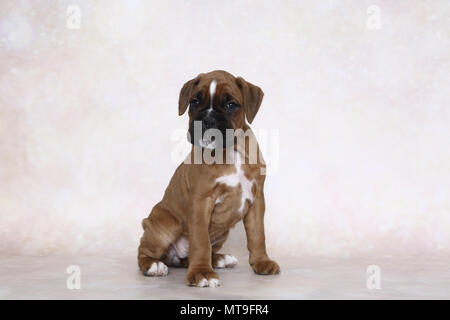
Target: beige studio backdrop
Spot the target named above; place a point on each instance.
(357, 91)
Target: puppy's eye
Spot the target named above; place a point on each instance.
(194, 102)
(231, 106)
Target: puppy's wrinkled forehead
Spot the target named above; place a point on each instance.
(214, 85)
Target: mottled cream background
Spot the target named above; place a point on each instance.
(87, 117)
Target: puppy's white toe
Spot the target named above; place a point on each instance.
(230, 261)
(157, 269)
(152, 270)
(162, 269)
(227, 261)
(202, 283)
(221, 263)
(214, 283)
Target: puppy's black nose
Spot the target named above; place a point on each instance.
(209, 122)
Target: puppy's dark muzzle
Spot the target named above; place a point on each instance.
(209, 123)
(209, 129)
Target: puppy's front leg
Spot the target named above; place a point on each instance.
(200, 272)
(256, 242)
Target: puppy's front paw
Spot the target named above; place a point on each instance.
(202, 277)
(266, 267)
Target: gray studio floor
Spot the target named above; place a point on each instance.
(24, 277)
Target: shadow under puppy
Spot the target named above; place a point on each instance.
(205, 200)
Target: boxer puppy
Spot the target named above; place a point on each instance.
(205, 200)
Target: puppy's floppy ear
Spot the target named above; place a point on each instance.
(185, 95)
(253, 96)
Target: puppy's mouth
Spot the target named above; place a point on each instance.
(201, 135)
(208, 143)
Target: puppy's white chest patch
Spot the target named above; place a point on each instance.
(238, 178)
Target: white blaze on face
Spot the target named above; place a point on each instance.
(212, 91)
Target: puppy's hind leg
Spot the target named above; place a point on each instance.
(220, 260)
(223, 260)
(161, 229)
